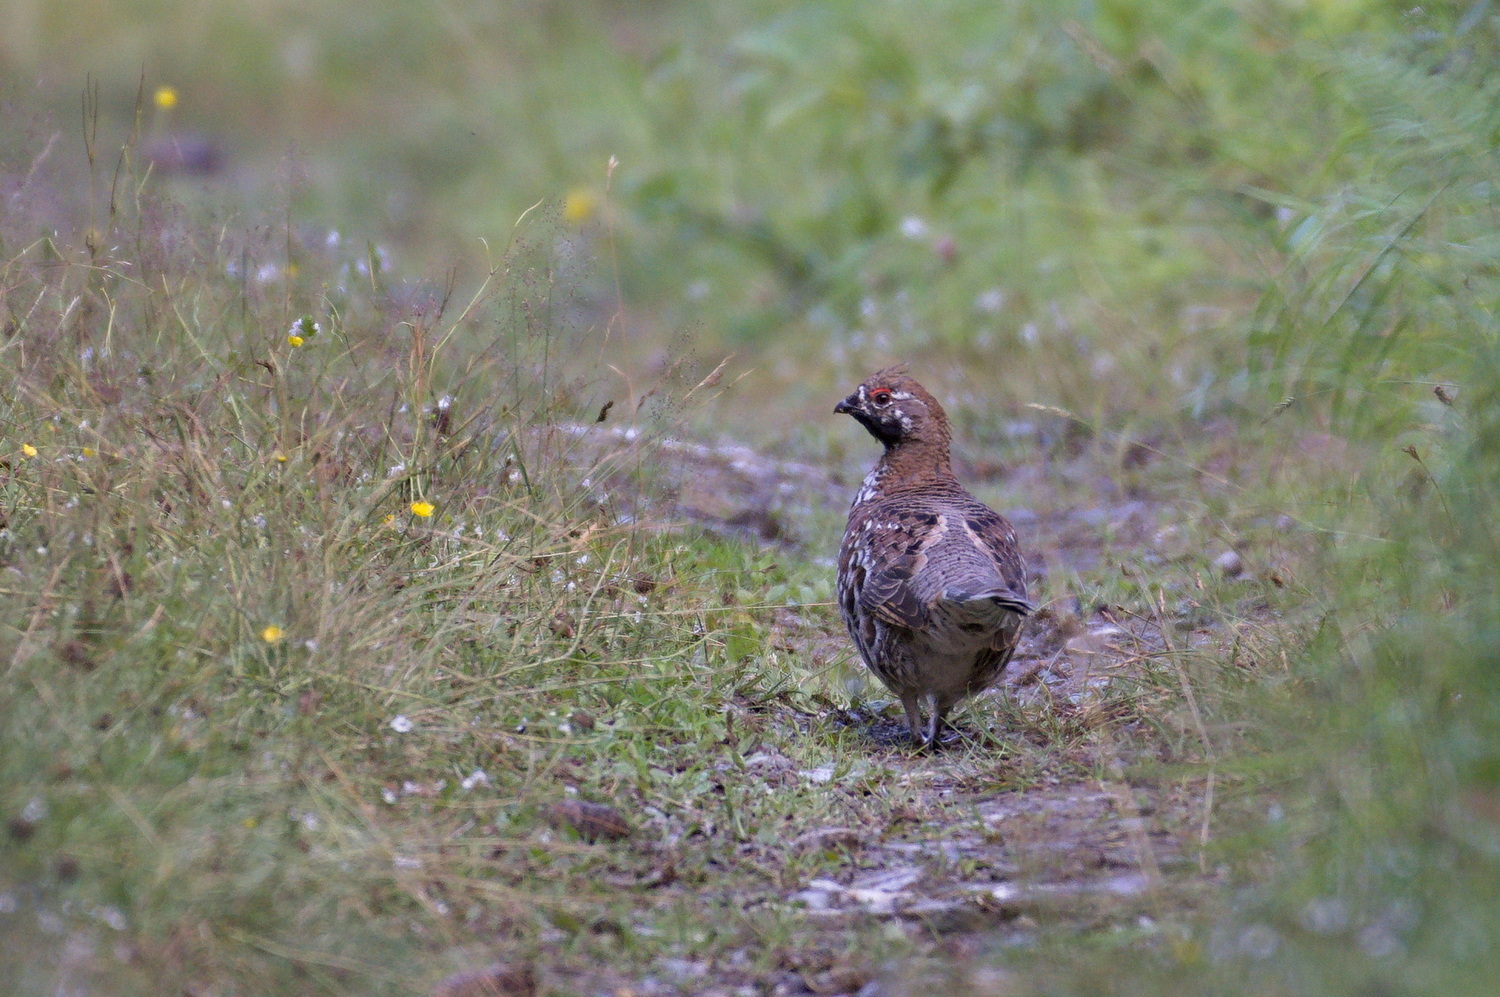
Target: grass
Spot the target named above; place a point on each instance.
(322, 657)
(318, 624)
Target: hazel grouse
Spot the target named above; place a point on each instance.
(930, 582)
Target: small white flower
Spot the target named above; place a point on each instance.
(913, 227)
(388, 795)
(990, 301)
(402, 724)
(111, 916)
(479, 777)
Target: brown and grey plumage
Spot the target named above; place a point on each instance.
(931, 583)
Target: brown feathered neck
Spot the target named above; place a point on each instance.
(909, 422)
(920, 459)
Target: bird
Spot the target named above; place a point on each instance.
(931, 581)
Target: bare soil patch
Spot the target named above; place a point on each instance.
(1033, 818)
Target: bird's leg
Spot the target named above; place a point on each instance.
(913, 717)
(934, 719)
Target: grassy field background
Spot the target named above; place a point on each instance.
(366, 564)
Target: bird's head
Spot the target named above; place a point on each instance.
(896, 409)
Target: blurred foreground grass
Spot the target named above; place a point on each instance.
(302, 641)
(1076, 198)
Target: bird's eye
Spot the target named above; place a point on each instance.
(881, 397)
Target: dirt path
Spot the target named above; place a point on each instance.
(1034, 821)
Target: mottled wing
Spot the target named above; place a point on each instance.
(993, 534)
(894, 543)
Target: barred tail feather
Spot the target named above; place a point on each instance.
(1005, 598)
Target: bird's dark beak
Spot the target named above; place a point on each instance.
(847, 406)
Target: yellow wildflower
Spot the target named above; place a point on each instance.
(423, 509)
(579, 205)
(390, 518)
(166, 98)
(1187, 951)
(279, 457)
(272, 634)
(295, 339)
(89, 451)
(28, 449)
